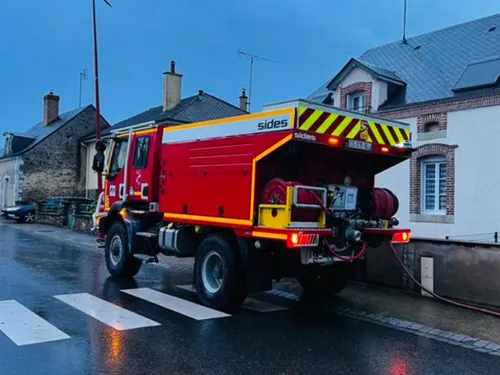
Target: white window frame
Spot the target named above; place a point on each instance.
(350, 100)
(436, 161)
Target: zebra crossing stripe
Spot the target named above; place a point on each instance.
(249, 303)
(181, 306)
(24, 327)
(106, 312)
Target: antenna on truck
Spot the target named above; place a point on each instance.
(252, 58)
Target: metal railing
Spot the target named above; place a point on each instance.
(491, 237)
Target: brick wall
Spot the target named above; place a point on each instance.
(365, 87)
(433, 149)
(53, 167)
(442, 107)
(424, 120)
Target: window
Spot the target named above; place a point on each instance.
(356, 102)
(141, 152)
(119, 157)
(432, 126)
(433, 186)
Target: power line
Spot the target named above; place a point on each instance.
(252, 58)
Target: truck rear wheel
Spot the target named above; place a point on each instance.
(324, 282)
(219, 276)
(119, 261)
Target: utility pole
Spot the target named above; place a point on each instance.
(96, 74)
(83, 77)
(252, 59)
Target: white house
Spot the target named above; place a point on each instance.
(446, 85)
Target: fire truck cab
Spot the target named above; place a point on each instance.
(287, 192)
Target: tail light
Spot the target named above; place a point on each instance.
(401, 237)
(385, 149)
(302, 240)
(333, 141)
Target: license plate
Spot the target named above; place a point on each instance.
(359, 145)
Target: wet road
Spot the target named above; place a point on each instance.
(55, 292)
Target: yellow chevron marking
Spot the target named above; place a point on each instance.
(388, 134)
(401, 139)
(408, 134)
(375, 132)
(354, 131)
(302, 110)
(311, 120)
(326, 124)
(341, 127)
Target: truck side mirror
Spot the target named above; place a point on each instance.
(98, 163)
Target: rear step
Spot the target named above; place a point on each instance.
(146, 258)
(147, 234)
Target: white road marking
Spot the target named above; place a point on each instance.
(106, 312)
(249, 304)
(179, 305)
(24, 327)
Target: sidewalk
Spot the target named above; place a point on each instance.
(401, 310)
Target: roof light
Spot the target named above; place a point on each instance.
(333, 141)
(401, 237)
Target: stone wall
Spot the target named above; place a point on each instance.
(462, 271)
(53, 167)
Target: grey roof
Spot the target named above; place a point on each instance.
(479, 74)
(432, 63)
(39, 132)
(195, 108)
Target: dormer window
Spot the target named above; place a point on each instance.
(356, 101)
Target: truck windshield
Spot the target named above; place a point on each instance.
(118, 158)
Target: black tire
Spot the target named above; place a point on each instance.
(324, 282)
(119, 261)
(232, 290)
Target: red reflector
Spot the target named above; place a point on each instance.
(294, 239)
(401, 237)
(333, 141)
(385, 149)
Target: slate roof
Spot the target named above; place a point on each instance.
(39, 132)
(432, 63)
(195, 108)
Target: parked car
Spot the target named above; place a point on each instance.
(22, 212)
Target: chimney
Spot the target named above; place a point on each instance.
(243, 100)
(171, 88)
(50, 108)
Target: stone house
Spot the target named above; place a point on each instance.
(44, 160)
(446, 85)
(174, 110)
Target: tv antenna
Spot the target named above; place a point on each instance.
(252, 58)
(83, 77)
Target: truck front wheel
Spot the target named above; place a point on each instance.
(219, 276)
(119, 261)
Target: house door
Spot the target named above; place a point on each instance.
(6, 192)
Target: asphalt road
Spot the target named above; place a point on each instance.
(60, 313)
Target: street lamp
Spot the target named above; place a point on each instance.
(98, 164)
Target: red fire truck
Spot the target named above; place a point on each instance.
(288, 192)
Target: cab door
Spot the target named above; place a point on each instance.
(142, 166)
(114, 184)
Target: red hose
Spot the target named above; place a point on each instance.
(462, 305)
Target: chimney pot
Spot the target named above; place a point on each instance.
(172, 84)
(50, 107)
(243, 100)
(200, 92)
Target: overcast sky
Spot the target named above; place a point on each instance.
(45, 44)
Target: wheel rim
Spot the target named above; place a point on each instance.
(116, 250)
(30, 217)
(212, 274)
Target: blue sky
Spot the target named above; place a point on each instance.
(46, 43)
